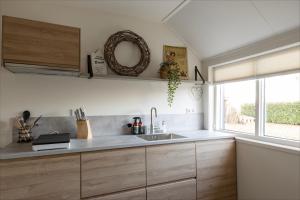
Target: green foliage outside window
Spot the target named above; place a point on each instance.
(279, 113)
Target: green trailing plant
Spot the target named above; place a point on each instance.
(171, 71)
(173, 82)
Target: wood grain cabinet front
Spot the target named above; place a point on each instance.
(172, 162)
(216, 170)
(43, 178)
(181, 190)
(139, 194)
(111, 171)
(39, 44)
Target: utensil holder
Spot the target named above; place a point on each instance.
(84, 129)
(24, 135)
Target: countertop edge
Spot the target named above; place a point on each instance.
(140, 143)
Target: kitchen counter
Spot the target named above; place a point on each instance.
(15, 150)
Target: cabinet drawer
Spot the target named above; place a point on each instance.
(139, 194)
(181, 190)
(167, 163)
(105, 172)
(46, 178)
(216, 170)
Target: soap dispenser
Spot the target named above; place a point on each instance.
(164, 126)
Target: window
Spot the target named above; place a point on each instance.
(259, 95)
(239, 106)
(268, 107)
(282, 107)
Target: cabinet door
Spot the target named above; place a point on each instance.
(139, 194)
(216, 170)
(172, 162)
(38, 43)
(110, 171)
(45, 178)
(181, 190)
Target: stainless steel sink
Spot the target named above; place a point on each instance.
(165, 136)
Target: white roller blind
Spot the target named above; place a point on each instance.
(234, 71)
(278, 62)
(273, 63)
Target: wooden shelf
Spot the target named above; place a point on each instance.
(118, 77)
(107, 77)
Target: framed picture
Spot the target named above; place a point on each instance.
(178, 55)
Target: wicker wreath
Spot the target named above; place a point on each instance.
(109, 53)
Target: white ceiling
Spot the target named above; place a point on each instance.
(215, 26)
(209, 26)
(151, 10)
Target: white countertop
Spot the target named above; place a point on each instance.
(16, 150)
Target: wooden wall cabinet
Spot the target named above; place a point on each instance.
(172, 162)
(28, 44)
(47, 178)
(216, 170)
(111, 171)
(181, 190)
(139, 194)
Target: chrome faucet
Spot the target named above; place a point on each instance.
(151, 125)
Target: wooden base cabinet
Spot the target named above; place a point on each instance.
(216, 170)
(205, 170)
(43, 178)
(181, 190)
(105, 172)
(139, 194)
(166, 163)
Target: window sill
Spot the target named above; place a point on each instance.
(270, 143)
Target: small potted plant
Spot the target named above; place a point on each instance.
(171, 71)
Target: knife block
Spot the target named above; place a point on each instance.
(84, 129)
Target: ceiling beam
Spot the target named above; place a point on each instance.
(175, 10)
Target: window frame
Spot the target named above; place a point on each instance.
(220, 125)
(260, 107)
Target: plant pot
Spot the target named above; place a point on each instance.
(163, 71)
(163, 74)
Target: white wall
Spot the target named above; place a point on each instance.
(54, 95)
(267, 174)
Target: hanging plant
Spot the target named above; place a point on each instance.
(171, 71)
